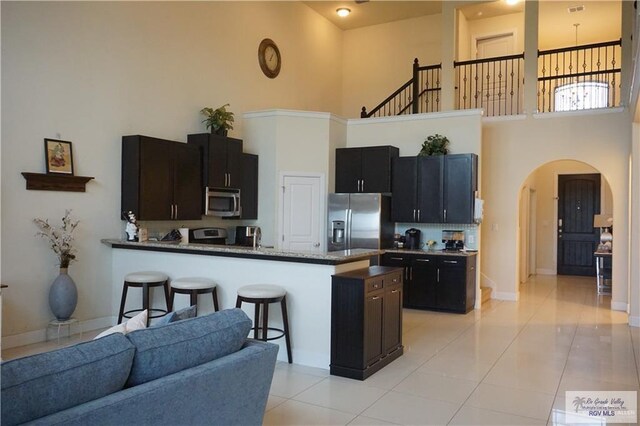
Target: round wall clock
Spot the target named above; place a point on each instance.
(269, 58)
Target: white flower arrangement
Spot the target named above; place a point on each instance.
(60, 239)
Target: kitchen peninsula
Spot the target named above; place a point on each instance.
(305, 275)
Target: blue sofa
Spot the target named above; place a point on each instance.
(192, 372)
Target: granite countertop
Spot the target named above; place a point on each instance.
(322, 258)
(432, 252)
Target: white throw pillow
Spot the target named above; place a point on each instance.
(136, 323)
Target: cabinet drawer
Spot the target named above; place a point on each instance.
(452, 263)
(393, 279)
(374, 284)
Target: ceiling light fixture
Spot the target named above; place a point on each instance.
(343, 11)
(512, 2)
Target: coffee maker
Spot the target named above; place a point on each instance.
(453, 240)
(412, 239)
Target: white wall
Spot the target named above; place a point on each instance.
(497, 25)
(512, 149)
(379, 59)
(92, 72)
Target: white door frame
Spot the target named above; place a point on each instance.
(476, 37)
(322, 205)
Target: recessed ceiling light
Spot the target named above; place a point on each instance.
(512, 2)
(343, 11)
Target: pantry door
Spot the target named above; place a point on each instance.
(303, 212)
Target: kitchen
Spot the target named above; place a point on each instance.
(322, 133)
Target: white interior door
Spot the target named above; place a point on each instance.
(492, 47)
(494, 76)
(303, 213)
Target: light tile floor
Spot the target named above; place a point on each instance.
(507, 364)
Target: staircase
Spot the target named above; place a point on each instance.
(485, 294)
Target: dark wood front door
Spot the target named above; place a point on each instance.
(578, 201)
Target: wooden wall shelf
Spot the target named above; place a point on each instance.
(51, 182)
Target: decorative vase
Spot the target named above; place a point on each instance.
(63, 296)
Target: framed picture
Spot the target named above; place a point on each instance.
(58, 156)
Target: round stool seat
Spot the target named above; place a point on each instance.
(261, 291)
(146, 277)
(193, 283)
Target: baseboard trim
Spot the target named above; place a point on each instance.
(634, 321)
(505, 295)
(619, 306)
(544, 271)
(38, 336)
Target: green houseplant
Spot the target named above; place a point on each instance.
(219, 120)
(435, 145)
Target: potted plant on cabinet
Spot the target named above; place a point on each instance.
(435, 145)
(219, 120)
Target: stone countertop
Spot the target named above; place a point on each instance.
(322, 258)
(432, 252)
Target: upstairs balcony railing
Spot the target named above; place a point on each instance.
(572, 78)
(492, 84)
(420, 94)
(580, 77)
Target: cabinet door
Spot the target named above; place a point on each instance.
(234, 162)
(249, 187)
(403, 201)
(187, 176)
(399, 261)
(392, 315)
(452, 281)
(430, 183)
(217, 165)
(348, 169)
(422, 292)
(156, 180)
(373, 324)
(376, 169)
(460, 184)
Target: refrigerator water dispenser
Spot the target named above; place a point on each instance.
(337, 232)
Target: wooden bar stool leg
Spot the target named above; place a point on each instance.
(145, 301)
(256, 320)
(215, 299)
(166, 295)
(265, 320)
(122, 301)
(285, 320)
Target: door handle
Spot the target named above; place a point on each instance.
(316, 245)
(394, 291)
(438, 275)
(225, 180)
(375, 298)
(171, 211)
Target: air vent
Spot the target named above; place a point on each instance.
(574, 9)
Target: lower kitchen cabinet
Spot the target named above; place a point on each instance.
(366, 321)
(437, 282)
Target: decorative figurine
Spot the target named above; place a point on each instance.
(132, 226)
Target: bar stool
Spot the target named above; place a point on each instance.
(144, 280)
(193, 287)
(263, 295)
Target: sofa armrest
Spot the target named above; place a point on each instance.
(231, 390)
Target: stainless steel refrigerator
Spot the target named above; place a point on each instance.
(359, 221)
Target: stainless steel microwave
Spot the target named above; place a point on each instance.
(222, 202)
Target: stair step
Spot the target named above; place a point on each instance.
(485, 294)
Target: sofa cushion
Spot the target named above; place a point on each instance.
(179, 315)
(136, 323)
(42, 384)
(161, 351)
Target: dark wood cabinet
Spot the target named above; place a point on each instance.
(160, 179)
(437, 189)
(366, 321)
(437, 282)
(249, 187)
(366, 169)
(222, 160)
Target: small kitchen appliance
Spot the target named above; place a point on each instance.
(412, 239)
(248, 235)
(453, 240)
(208, 236)
(222, 202)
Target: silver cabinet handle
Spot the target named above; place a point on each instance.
(418, 215)
(375, 298)
(362, 185)
(450, 261)
(176, 212)
(445, 215)
(172, 211)
(423, 260)
(394, 291)
(414, 215)
(229, 179)
(397, 258)
(438, 275)
(410, 273)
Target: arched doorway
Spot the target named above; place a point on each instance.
(540, 215)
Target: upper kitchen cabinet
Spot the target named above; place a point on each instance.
(161, 179)
(366, 169)
(249, 187)
(222, 160)
(437, 189)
